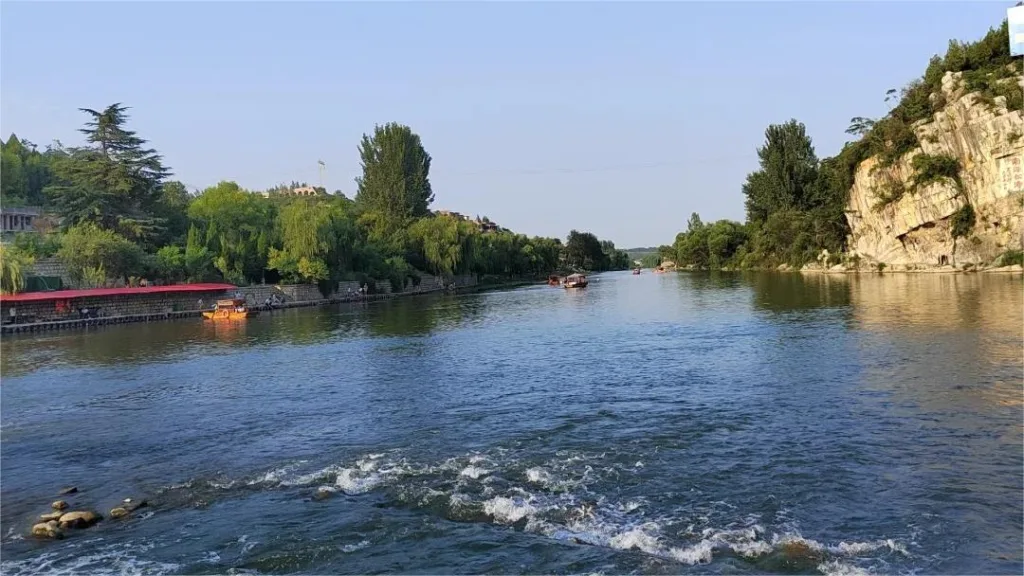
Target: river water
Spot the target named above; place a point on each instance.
(676, 423)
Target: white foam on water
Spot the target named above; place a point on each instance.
(350, 481)
(508, 510)
(837, 568)
(639, 538)
(120, 559)
(349, 548)
(538, 476)
(473, 472)
(699, 553)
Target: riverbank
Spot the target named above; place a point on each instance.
(302, 296)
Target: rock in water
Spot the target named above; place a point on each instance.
(118, 512)
(79, 519)
(68, 490)
(59, 505)
(50, 516)
(47, 530)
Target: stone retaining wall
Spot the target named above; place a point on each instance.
(176, 305)
(123, 305)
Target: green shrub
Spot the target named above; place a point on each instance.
(888, 192)
(1011, 257)
(962, 221)
(930, 168)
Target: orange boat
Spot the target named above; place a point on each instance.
(233, 309)
(554, 280)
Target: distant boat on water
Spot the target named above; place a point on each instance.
(575, 281)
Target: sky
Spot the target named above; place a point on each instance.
(616, 118)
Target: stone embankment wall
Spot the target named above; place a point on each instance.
(122, 305)
(176, 305)
(988, 142)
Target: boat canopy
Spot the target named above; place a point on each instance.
(575, 277)
(231, 303)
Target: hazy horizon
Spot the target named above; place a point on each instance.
(620, 119)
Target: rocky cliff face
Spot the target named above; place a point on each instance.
(988, 142)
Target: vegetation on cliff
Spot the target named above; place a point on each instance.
(121, 219)
(795, 202)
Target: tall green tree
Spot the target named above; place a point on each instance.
(114, 182)
(395, 185)
(583, 251)
(788, 169)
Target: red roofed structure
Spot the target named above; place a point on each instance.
(100, 292)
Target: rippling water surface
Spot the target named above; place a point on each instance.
(719, 423)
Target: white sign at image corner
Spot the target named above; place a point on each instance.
(1015, 18)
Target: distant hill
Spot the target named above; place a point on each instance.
(638, 253)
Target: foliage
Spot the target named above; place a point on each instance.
(929, 168)
(94, 255)
(583, 251)
(396, 174)
(1011, 257)
(13, 265)
(317, 239)
(962, 221)
(36, 245)
(650, 260)
(115, 183)
(234, 226)
(446, 243)
(889, 191)
(24, 172)
(788, 169)
(125, 220)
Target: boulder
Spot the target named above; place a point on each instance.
(50, 516)
(118, 512)
(79, 519)
(59, 505)
(68, 490)
(47, 530)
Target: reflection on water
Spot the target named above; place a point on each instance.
(671, 423)
(791, 292)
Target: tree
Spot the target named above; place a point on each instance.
(114, 183)
(317, 240)
(395, 185)
(583, 251)
(24, 172)
(788, 170)
(13, 267)
(93, 255)
(236, 227)
(446, 243)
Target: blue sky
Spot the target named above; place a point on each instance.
(618, 118)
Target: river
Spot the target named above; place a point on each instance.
(675, 423)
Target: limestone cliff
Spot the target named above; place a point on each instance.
(988, 142)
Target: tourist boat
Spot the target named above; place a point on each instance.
(636, 271)
(232, 309)
(554, 280)
(575, 281)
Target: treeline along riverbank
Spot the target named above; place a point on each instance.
(111, 216)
